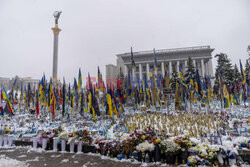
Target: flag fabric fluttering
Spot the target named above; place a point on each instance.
(37, 104)
(53, 104)
(82, 103)
(75, 93)
(1, 104)
(79, 80)
(109, 103)
(181, 77)
(244, 85)
(91, 98)
(8, 107)
(198, 84)
(100, 81)
(63, 97)
(242, 74)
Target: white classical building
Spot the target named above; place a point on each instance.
(4, 83)
(8, 83)
(144, 61)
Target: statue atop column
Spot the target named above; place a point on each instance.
(57, 15)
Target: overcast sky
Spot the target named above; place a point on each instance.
(94, 31)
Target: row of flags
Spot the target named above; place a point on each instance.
(97, 96)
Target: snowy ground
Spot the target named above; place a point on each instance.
(25, 157)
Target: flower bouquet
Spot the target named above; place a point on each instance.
(113, 148)
(169, 149)
(183, 142)
(84, 136)
(145, 149)
(128, 147)
(208, 154)
(193, 160)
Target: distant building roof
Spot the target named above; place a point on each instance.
(175, 50)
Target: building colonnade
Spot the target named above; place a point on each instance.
(142, 69)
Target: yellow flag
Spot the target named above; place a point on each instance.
(109, 101)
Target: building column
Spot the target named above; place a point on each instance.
(170, 69)
(162, 69)
(140, 72)
(210, 66)
(194, 63)
(186, 66)
(206, 69)
(125, 70)
(202, 68)
(177, 67)
(147, 71)
(133, 75)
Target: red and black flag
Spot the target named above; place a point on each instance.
(37, 104)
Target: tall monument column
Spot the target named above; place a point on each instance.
(56, 31)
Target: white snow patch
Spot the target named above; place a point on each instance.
(22, 156)
(65, 160)
(55, 156)
(36, 159)
(7, 150)
(8, 162)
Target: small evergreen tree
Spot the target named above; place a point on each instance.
(236, 74)
(224, 67)
(235, 80)
(190, 71)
